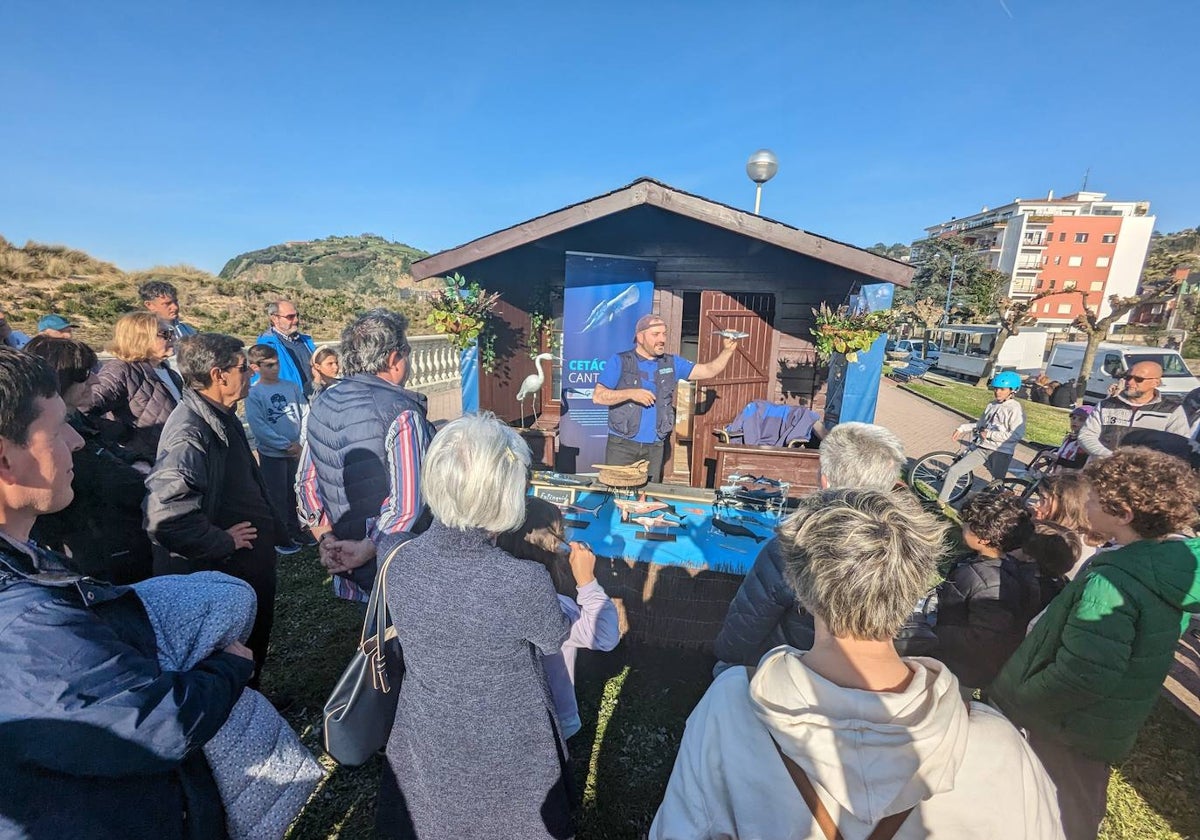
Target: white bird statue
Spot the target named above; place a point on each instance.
(532, 386)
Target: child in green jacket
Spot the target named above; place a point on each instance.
(1087, 676)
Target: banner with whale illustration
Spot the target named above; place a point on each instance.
(603, 298)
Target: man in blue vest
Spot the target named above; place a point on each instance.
(638, 386)
(295, 349)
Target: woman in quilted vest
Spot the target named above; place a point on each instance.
(137, 391)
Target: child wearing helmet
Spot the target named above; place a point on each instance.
(1071, 456)
(996, 434)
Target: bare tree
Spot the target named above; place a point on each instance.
(1157, 290)
(926, 312)
(1011, 315)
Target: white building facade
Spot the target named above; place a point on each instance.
(1080, 243)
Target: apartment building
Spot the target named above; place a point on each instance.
(1081, 242)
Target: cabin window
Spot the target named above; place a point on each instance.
(689, 330)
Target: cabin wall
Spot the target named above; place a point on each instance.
(690, 256)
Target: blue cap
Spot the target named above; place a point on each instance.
(53, 322)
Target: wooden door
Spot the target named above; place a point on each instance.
(746, 378)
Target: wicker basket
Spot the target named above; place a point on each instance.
(630, 475)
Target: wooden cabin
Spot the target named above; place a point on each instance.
(717, 267)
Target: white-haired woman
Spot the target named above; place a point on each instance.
(475, 750)
(875, 742)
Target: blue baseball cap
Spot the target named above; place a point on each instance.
(53, 322)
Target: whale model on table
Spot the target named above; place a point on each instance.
(655, 522)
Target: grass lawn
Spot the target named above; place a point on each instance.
(633, 703)
(1043, 424)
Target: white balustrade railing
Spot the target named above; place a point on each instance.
(433, 363)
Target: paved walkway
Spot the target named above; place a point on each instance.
(925, 427)
(922, 426)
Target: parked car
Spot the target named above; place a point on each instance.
(914, 346)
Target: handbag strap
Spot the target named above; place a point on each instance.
(885, 829)
(376, 621)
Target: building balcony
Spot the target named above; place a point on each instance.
(1023, 286)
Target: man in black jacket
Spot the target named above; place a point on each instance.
(95, 739)
(208, 506)
(764, 613)
(1139, 405)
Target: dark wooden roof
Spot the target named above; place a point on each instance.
(657, 194)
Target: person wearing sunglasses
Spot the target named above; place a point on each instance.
(136, 391)
(1139, 405)
(208, 507)
(295, 348)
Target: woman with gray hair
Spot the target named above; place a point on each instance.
(850, 737)
(475, 750)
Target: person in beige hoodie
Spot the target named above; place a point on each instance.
(875, 738)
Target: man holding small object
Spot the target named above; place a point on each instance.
(638, 386)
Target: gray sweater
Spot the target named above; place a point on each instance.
(1001, 426)
(275, 413)
(475, 750)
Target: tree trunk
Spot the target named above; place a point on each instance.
(1094, 340)
(1002, 335)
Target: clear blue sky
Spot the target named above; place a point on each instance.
(166, 132)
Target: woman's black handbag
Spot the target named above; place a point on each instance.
(362, 706)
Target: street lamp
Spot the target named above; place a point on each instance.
(949, 290)
(761, 167)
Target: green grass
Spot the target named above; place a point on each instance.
(1043, 424)
(633, 703)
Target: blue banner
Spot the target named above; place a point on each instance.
(861, 389)
(602, 301)
(468, 370)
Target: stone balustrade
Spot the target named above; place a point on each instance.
(433, 364)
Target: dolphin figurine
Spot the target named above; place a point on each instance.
(607, 310)
(660, 521)
(637, 507)
(732, 335)
(732, 529)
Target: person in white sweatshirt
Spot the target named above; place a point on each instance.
(880, 739)
(996, 434)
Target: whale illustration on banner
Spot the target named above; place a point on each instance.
(606, 310)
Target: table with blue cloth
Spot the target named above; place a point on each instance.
(673, 592)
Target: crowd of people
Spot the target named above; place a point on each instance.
(874, 667)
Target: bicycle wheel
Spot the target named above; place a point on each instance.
(929, 474)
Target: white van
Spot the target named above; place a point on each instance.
(1114, 359)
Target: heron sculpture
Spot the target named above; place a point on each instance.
(532, 386)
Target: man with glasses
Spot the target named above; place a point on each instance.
(208, 506)
(1138, 406)
(294, 347)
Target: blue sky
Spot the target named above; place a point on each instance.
(168, 132)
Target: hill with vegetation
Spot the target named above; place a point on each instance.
(37, 279)
(366, 263)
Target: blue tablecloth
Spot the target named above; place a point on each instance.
(697, 544)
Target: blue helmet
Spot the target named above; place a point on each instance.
(1007, 379)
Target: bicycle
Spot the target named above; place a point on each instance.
(930, 471)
